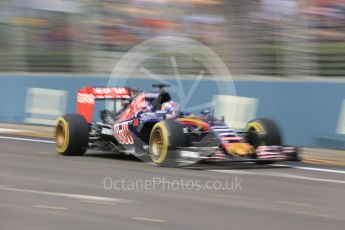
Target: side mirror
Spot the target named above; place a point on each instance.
(205, 112)
(161, 112)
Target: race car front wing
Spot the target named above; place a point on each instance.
(193, 155)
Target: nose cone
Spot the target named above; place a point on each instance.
(239, 149)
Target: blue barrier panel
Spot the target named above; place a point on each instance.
(307, 112)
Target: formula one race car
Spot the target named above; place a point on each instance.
(150, 126)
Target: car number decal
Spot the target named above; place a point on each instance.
(122, 134)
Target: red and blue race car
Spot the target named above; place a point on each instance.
(150, 126)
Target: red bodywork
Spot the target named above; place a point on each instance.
(136, 105)
(87, 95)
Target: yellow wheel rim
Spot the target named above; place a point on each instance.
(257, 127)
(61, 135)
(158, 143)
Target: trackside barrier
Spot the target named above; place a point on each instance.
(310, 113)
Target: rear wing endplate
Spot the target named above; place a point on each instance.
(87, 95)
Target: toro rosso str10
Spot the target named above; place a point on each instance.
(150, 126)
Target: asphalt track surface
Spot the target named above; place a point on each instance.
(40, 189)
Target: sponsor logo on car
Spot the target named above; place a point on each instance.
(85, 98)
(106, 131)
(122, 134)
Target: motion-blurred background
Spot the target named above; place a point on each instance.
(49, 48)
(256, 37)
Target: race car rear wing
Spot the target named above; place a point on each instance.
(87, 95)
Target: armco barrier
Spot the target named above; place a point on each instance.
(308, 112)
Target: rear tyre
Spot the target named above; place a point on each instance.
(166, 136)
(263, 131)
(71, 135)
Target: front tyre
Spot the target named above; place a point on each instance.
(263, 131)
(71, 135)
(166, 136)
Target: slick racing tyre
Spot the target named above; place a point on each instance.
(71, 135)
(166, 136)
(263, 131)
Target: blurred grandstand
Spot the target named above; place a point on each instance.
(288, 38)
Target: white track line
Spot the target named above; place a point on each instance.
(27, 139)
(4, 130)
(292, 203)
(97, 202)
(304, 178)
(225, 171)
(50, 207)
(290, 176)
(147, 219)
(312, 168)
(68, 195)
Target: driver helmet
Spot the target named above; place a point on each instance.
(171, 109)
